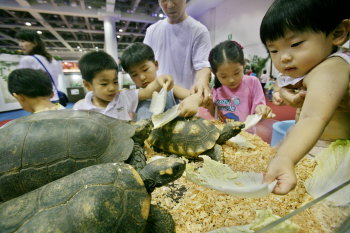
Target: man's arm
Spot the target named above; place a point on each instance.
(201, 85)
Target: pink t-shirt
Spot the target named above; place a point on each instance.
(240, 102)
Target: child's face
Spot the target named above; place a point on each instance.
(230, 74)
(297, 53)
(104, 85)
(144, 73)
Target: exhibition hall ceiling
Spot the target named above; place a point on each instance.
(72, 27)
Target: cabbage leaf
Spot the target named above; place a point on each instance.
(221, 177)
(332, 170)
(262, 219)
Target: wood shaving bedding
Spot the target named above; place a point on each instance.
(198, 209)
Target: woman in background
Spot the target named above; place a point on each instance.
(38, 58)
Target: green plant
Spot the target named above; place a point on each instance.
(257, 64)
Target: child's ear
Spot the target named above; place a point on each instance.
(341, 33)
(87, 85)
(156, 64)
(19, 97)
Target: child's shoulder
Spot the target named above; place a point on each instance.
(80, 104)
(332, 70)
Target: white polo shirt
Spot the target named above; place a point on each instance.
(124, 103)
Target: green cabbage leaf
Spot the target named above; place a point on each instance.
(332, 170)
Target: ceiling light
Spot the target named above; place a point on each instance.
(39, 32)
(89, 7)
(161, 15)
(118, 36)
(78, 47)
(28, 24)
(120, 30)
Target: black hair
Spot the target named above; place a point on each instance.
(29, 82)
(94, 62)
(32, 36)
(135, 54)
(301, 16)
(226, 51)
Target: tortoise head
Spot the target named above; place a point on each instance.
(142, 130)
(229, 130)
(161, 172)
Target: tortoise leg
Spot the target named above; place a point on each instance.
(159, 221)
(137, 158)
(215, 153)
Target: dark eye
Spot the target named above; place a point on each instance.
(273, 51)
(297, 44)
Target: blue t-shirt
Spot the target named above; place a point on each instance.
(142, 111)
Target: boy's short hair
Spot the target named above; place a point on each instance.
(94, 62)
(29, 82)
(135, 54)
(302, 15)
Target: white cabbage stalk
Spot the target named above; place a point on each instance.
(332, 170)
(158, 101)
(251, 121)
(262, 219)
(220, 177)
(242, 142)
(165, 117)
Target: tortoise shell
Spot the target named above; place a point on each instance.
(100, 198)
(185, 136)
(43, 147)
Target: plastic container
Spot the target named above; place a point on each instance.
(279, 131)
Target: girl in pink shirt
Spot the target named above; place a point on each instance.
(235, 95)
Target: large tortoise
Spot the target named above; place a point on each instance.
(111, 197)
(43, 147)
(190, 137)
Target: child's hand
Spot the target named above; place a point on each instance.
(166, 80)
(292, 98)
(276, 98)
(189, 106)
(282, 170)
(265, 111)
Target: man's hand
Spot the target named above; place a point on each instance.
(201, 85)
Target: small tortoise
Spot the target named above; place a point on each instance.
(190, 137)
(43, 147)
(111, 197)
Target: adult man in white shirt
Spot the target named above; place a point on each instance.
(181, 45)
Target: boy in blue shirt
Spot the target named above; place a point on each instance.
(138, 60)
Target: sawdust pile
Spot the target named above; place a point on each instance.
(198, 209)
